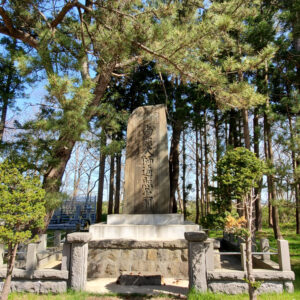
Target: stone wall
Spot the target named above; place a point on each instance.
(233, 282)
(110, 258)
(37, 281)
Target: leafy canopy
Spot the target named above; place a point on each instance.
(22, 204)
(239, 171)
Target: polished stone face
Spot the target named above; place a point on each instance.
(147, 186)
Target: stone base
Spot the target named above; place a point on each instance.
(111, 258)
(137, 279)
(145, 219)
(140, 232)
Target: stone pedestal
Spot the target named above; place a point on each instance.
(78, 263)
(147, 227)
(197, 263)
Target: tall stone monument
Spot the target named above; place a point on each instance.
(145, 215)
(147, 186)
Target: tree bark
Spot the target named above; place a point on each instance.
(206, 179)
(111, 185)
(246, 128)
(248, 209)
(12, 251)
(271, 187)
(101, 178)
(174, 163)
(197, 177)
(183, 175)
(118, 184)
(257, 191)
(202, 174)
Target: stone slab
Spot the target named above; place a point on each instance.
(139, 279)
(147, 184)
(140, 232)
(37, 287)
(196, 236)
(234, 288)
(79, 237)
(145, 219)
(37, 274)
(133, 244)
(258, 274)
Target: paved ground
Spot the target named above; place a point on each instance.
(170, 286)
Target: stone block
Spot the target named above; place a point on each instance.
(265, 247)
(288, 286)
(31, 258)
(195, 236)
(152, 254)
(78, 267)
(136, 279)
(284, 255)
(79, 237)
(42, 244)
(145, 219)
(140, 232)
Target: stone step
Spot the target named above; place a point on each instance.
(141, 232)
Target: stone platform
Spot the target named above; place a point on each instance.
(142, 227)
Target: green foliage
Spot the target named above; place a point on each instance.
(22, 204)
(238, 171)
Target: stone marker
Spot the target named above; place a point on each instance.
(147, 186)
(139, 279)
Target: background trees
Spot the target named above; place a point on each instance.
(209, 63)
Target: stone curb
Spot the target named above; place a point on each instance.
(259, 275)
(37, 274)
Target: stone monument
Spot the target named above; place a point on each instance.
(147, 185)
(146, 204)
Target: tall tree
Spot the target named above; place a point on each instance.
(81, 47)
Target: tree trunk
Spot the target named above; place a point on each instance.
(111, 185)
(174, 163)
(295, 165)
(197, 176)
(12, 251)
(248, 209)
(206, 183)
(246, 128)
(183, 175)
(202, 175)
(271, 187)
(118, 185)
(257, 191)
(3, 117)
(101, 178)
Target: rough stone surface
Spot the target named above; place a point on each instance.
(36, 274)
(147, 187)
(31, 258)
(111, 262)
(39, 287)
(78, 270)
(137, 279)
(197, 266)
(195, 236)
(284, 255)
(288, 286)
(258, 274)
(238, 287)
(79, 237)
